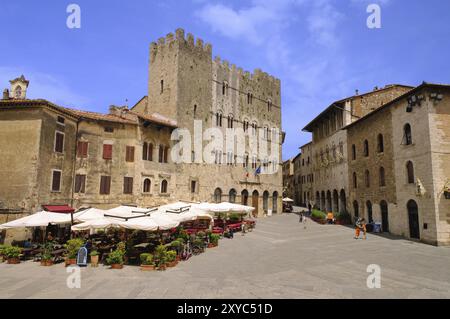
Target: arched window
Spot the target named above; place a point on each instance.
(195, 111)
(218, 195)
(410, 172)
(164, 187)
(166, 154)
(355, 181)
(353, 152)
(224, 88)
(356, 208)
(232, 196)
(269, 105)
(244, 197)
(366, 148)
(161, 153)
(275, 202)
(219, 119)
(407, 135)
(147, 185)
(230, 121)
(145, 151)
(265, 201)
(369, 211)
(380, 147)
(367, 178)
(162, 86)
(382, 177)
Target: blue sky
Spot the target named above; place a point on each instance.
(321, 50)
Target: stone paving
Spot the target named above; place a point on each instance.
(279, 259)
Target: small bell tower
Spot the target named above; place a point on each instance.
(19, 88)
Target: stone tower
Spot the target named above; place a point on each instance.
(180, 78)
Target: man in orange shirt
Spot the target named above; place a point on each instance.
(330, 217)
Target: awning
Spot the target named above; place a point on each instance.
(58, 209)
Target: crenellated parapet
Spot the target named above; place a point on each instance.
(179, 40)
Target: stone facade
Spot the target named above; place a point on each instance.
(330, 142)
(55, 155)
(415, 159)
(305, 173)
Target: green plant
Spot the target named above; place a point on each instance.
(115, 257)
(181, 240)
(214, 239)
(94, 253)
(318, 214)
(199, 242)
(46, 253)
(235, 217)
(160, 255)
(121, 247)
(146, 259)
(176, 245)
(11, 252)
(73, 246)
(171, 255)
(201, 234)
(2, 248)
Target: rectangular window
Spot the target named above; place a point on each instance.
(80, 183)
(129, 156)
(105, 185)
(59, 142)
(61, 120)
(193, 186)
(82, 149)
(56, 181)
(107, 151)
(128, 185)
(109, 129)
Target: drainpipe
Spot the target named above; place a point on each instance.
(73, 173)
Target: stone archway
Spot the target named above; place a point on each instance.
(255, 200)
(275, 202)
(335, 207)
(413, 218)
(244, 197)
(342, 202)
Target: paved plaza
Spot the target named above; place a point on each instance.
(279, 259)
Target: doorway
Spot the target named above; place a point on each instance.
(384, 216)
(413, 216)
(255, 199)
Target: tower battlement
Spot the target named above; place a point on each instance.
(179, 39)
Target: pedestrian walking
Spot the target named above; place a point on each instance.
(301, 218)
(304, 222)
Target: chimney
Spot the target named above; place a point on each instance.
(5, 94)
(376, 88)
(356, 92)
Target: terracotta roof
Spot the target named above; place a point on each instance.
(101, 117)
(156, 119)
(416, 89)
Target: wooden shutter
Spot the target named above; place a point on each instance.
(59, 142)
(150, 152)
(129, 156)
(80, 183)
(105, 185)
(56, 181)
(145, 151)
(82, 149)
(161, 151)
(166, 152)
(107, 151)
(128, 185)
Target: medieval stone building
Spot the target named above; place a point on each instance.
(59, 156)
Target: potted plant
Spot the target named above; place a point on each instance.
(147, 263)
(160, 257)
(46, 254)
(343, 218)
(213, 240)
(73, 246)
(176, 245)
(115, 259)
(318, 216)
(171, 257)
(12, 254)
(94, 258)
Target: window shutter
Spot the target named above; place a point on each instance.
(107, 151)
(105, 185)
(150, 152)
(128, 185)
(166, 152)
(82, 149)
(56, 182)
(129, 154)
(59, 142)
